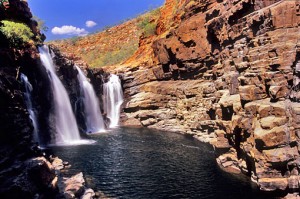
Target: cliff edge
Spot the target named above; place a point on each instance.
(227, 73)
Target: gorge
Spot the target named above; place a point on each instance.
(231, 82)
(223, 72)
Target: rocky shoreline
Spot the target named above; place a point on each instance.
(69, 187)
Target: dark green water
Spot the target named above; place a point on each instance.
(143, 163)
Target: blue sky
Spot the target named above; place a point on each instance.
(69, 18)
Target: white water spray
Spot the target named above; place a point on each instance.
(31, 110)
(113, 99)
(93, 117)
(65, 122)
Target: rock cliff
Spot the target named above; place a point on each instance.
(227, 73)
(21, 173)
(26, 172)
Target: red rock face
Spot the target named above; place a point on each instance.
(227, 73)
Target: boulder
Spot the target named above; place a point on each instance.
(273, 184)
(293, 182)
(282, 155)
(272, 121)
(73, 187)
(57, 163)
(131, 122)
(88, 194)
(276, 136)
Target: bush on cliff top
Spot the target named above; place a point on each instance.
(148, 22)
(17, 34)
(41, 24)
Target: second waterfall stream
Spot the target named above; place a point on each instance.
(93, 118)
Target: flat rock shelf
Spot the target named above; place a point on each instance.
(145, 163)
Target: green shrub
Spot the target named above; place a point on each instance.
(148, 22)
(150, 29)
(17, 34)
(41, 24)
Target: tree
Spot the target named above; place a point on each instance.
(17, 34)
(41, 24)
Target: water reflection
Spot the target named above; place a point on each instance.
(143, 163)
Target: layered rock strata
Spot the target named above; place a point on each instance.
(227, 72)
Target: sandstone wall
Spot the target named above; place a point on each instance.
(228, 74)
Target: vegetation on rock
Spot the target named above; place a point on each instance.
(41, 24)
(17, 34)
(148, 24)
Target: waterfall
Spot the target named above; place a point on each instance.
(93, 117)
(65, 122)
(31, 110)
(113, 99)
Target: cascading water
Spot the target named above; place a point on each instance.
(113, 99)
(65, 122)
(31, 110)
(93, 117)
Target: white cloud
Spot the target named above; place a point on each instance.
(69, 30)
(90, 24)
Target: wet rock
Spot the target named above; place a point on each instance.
(229, 162)
(88, 194)
(148, 122)
(57, 163)
(73, 187)
(131, 122)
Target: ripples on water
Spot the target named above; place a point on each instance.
(143, 163)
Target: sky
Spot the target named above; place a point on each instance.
(70, 18)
